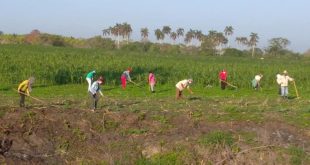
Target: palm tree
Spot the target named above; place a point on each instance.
(199, 36)
(228, 31)
(253, 42)
(173, 36)
(242, 41)
(126, 31)
(106, 32)
(159, 35)
(212, 37)
(189, 36)
(220, 40)
(144, 34)
(166, 30)
(117, 31)
(180, 32)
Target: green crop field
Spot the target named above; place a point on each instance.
(134, 126)
(52, 66)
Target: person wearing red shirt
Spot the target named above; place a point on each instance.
(223, 79)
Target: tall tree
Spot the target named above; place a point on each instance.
(126, 31)
(189, 37)
(228, 31)
(144, 34)
(198, 36)
(1, 32)
(253, 42)
(106, 32)
(173, 36)
(220, 40)
(180, 32)
(159, 35)
(276, 45)
(209, 42)
(117, 31)
(243, 41)
(166, 30)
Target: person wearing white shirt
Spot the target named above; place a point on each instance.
(181, 85)
(283, 82)
(256, 81)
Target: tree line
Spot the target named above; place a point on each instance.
(118, 35)
(213, 40)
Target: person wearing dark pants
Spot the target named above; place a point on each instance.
(223, 79)
(24, 90)
(94, 91)
(94, 98)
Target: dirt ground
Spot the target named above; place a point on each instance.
(51, 135)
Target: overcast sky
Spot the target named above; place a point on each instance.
(86, 18)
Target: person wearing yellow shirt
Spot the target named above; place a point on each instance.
(24, 90)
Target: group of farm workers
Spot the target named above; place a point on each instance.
(94, 90)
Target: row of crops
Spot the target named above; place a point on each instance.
(53, 65)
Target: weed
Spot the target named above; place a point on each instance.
(63, 145)
(161, 119)
(79, 134)
(110, 124)
(141, 116)
(298, 155)
(175, 157)
(217, 138)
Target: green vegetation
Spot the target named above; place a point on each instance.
(298, 155)
(52, 65)
(134, 126)
(217, 138)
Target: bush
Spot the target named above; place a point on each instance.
(233, 52)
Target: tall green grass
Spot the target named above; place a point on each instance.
(54, 65)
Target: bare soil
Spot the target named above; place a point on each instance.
(47, 135)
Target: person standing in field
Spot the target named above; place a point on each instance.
(94, 90)
(151, 81)
(223, 79)
(256, 81)
(90, 78)
(24, 90)
(181, 85)
(126, 77)
(284, 84)
(279, 79)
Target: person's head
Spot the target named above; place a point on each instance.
(190, 80)
(100, 80)
(129, 69)
(31, 80)
(285, 72)
(261, 75)
(150, 71)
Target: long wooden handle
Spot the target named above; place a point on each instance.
(30, 96)
(296, 89)
(229, 84)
